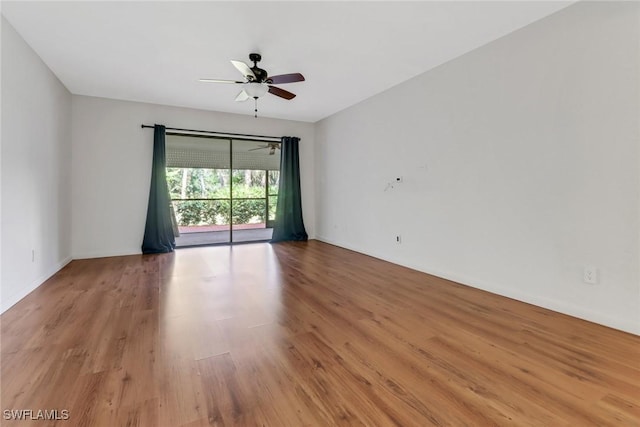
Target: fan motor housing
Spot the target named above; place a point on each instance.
(261, 75)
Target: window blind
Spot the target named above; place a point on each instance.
(210, 153)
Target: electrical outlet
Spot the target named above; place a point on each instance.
(590, 275)
(398, 239)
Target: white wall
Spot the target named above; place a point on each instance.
(35, 171)
(112, 166)
(520, 163)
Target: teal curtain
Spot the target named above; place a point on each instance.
(158, 231)
(288, 224)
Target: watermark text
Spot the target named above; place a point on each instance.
(35, 414)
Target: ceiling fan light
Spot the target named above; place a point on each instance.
(256, 90)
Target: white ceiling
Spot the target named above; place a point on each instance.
(348, 51)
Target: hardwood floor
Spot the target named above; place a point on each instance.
(302, 334)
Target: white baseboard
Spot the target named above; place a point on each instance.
(554, 305)
(106, 254)
(11, 300)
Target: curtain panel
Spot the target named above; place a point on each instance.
(158, 231)
(289, 224)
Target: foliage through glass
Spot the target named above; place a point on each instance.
(203, 196)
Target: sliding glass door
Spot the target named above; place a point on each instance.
(252, 162)
(222, 190)
(198, 177)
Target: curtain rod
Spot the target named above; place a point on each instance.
(220, 134)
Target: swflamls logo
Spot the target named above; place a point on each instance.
(36, 414)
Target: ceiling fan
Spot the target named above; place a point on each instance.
(272, 146)
(258, 82)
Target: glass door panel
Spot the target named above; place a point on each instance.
(251, 161)
(198, 179)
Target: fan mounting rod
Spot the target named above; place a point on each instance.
(255, 57)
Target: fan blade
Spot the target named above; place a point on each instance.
(220, 81)
(244, 69)
(242, 96)
(259, 148)
(281, 92)
(286, 78)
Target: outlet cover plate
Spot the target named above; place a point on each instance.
(590, 275)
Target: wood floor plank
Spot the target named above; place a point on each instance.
(266, 370)
(302, 334)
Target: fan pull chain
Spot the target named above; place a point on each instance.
(256, 107)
